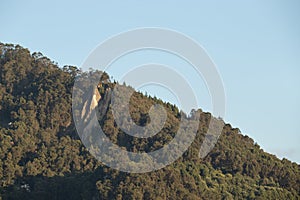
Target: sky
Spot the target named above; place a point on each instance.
(254, 44)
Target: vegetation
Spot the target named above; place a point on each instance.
(42, 156)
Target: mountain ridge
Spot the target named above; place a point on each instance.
(41, 152)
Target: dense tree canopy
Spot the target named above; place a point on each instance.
(42, 156)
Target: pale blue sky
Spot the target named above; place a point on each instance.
(255, 45)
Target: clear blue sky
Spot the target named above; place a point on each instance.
(255, 44)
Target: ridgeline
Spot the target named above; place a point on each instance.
(42, 156)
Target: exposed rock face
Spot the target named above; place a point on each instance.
(94, 109)
(90, 104)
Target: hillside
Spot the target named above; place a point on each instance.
(42, 156)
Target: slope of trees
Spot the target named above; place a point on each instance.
(42, 156)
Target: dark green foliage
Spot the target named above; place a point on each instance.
(43, 158)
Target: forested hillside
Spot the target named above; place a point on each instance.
(42, 156)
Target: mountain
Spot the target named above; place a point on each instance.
(42, 156)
